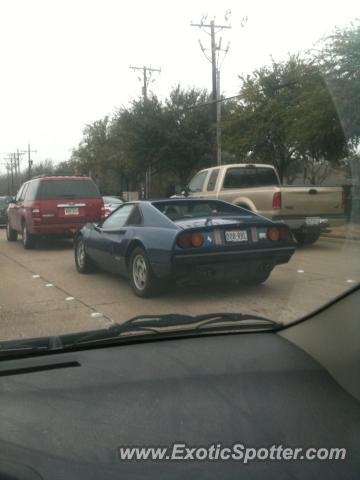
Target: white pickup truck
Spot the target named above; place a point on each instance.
(307, 210)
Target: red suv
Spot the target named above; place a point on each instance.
(53, 206)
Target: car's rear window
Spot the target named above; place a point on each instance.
(112, 200)
(196, 208)
(242, 177)
(55, 189)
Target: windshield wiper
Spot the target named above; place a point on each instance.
(43, 344)
(164, 326)
(177, 325)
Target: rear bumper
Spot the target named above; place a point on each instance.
(224, 265)
(299, 222)
(68, 229)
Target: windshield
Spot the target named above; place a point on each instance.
(196, 183)
(188, 158)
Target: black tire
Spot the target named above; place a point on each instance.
(11, 235)
(83, 262)
(258, 278)
(142, 279)
(306, 238)
(27, 239)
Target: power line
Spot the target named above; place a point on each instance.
(220, 100)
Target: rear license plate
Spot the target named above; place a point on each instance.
(312, 220)
(71, 211)
(236, 236)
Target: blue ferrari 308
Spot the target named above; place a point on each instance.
(151, 242)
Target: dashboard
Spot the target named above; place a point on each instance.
(65, 416)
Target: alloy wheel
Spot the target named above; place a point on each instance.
(139, 272)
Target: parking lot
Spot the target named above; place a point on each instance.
(41, 293)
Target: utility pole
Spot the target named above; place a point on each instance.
(10, 169)
(14, 160)
(146, 77)
(218, 119)
(17, 167)
(8, 178)
(30, 162)
(7, 167)
(215, 75)
(214, 69)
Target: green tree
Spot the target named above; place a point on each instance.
(92, 153)
(98, 156)
(285, 116)
(189, 132)
(137, 137)
(340, 61)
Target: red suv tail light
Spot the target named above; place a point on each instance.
(276, 202)
(104, 212)
(35, 210)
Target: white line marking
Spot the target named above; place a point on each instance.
(96, 314)
(36, 276)
(300, 271)
(49, 285)
(68, 299)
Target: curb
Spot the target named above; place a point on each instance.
(342, 237)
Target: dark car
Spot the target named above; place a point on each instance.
(150, 242)
(4, 203)
(54, 205)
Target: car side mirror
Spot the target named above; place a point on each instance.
(186, 191)
(97, 227)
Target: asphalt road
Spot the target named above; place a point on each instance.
(41, 293)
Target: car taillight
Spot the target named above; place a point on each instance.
(35, 210)
(273, 234)
(106, 211)
(184, 241)
(276, 202)
(188, 240)
(197, 240)
(103, 211)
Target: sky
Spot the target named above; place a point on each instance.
(65, 63)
